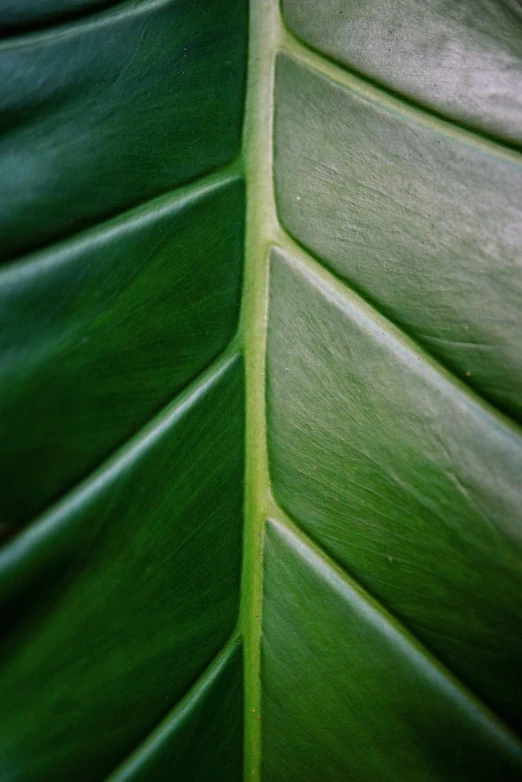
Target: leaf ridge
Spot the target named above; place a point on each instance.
(17, 28)
(339, 287)
(376, 92)
(191, 190)
(261, 224)
(279, 518)
(113, 12)
(183, 195)
(161, 734)
(52, 523)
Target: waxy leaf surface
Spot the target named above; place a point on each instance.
(261, 383)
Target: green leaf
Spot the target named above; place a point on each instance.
(398, 716)
(102, 114)
(463, 60)
(203, 732)
(126, 591)
(20, 15)
(261, 391)
(372, 448)
(93, 365)
(428, 229)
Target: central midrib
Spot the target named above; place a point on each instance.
(266, 31)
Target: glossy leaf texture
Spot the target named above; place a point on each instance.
(374, 705)
(201, 738)
(16, 15)
(423, 223)
(122, 405)
(392, 629)
(314, 574)
(104, 113)
(125, 592)
(376, 457)
(461, 59)
(99, 332)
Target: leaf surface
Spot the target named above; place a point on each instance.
(126, 105)
(372, 449)
(425, 224)
(201, 735)
(462, 58)
(261, 381)
(18, 15)
(126, 592)
(396, 715)
(99, 334)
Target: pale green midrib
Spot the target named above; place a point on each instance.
(394, 102)
(265, 33)
(161, 734)
(33, 537)
(414, 647)
(146, 211)
(340, 288)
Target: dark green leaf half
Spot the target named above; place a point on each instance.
(202, 738)
(100, 115)
(115, 602)
(98, 334)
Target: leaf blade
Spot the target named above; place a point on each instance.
(101, 619)
(373, 453)
(395, 716)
